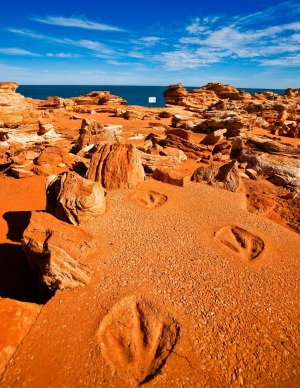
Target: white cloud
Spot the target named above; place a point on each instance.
(289, 61)
(62, 55)
(83, 43)
(78, 22)
(17, 51)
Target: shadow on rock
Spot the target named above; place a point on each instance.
(17, 280)
(17, 222)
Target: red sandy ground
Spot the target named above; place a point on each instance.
(238, 320)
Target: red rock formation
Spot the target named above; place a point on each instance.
(116, 166)
(57, 251)
(93, 132)
(74, 199)
(226, 176)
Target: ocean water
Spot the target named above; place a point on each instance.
(135, 95)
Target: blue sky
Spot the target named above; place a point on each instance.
(246, 44)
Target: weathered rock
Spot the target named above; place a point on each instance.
(16, 319)
(226, 91)
(116, 166)
(192, 150)
(44, 127)
(54, 102)
(170, 151)
(292, 93)
(167, 175)
(93, 132)
(274, 160)
(231, 121)
(99, 98)
(184, 134)
(20, 172)
(53, 156)
(74, 199)
(214, 137)
(226, 176)
(152, 161)
(58, 252)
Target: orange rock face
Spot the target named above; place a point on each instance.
(57, 252)
(116, 166)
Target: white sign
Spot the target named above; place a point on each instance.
(152, 100)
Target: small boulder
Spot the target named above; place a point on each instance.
(74, 199)
(167, 175)
(226, 176)
(58, 252)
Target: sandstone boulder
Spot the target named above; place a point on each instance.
(74, 199)
(168, 175)
(93, 132)
(226, 176)
(54, 156)
(214, 137)
(58, 252)
(116, 166)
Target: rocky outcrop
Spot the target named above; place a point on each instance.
(12, 105)
(54, 102)
(226, 176)
(99, 98)
(74, 199)
(116, 166)
(278, 162)
(93, 132)
(151, 162)
(58, 252)
(16, 320)
(223, 91)
(191, 149)
(234, 123)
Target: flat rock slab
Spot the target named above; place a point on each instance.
(16, 319)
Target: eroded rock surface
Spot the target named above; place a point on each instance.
(74, 199)
(58, 252)
(116, 166)
(226, 176)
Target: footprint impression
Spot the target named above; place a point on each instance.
(149, 199)
(135, 340)
(241, 242)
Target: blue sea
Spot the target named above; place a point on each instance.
(135, 95)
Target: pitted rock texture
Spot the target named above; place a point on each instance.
(57, 252)
(116, 166)
(74, 199)
(135, 339)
